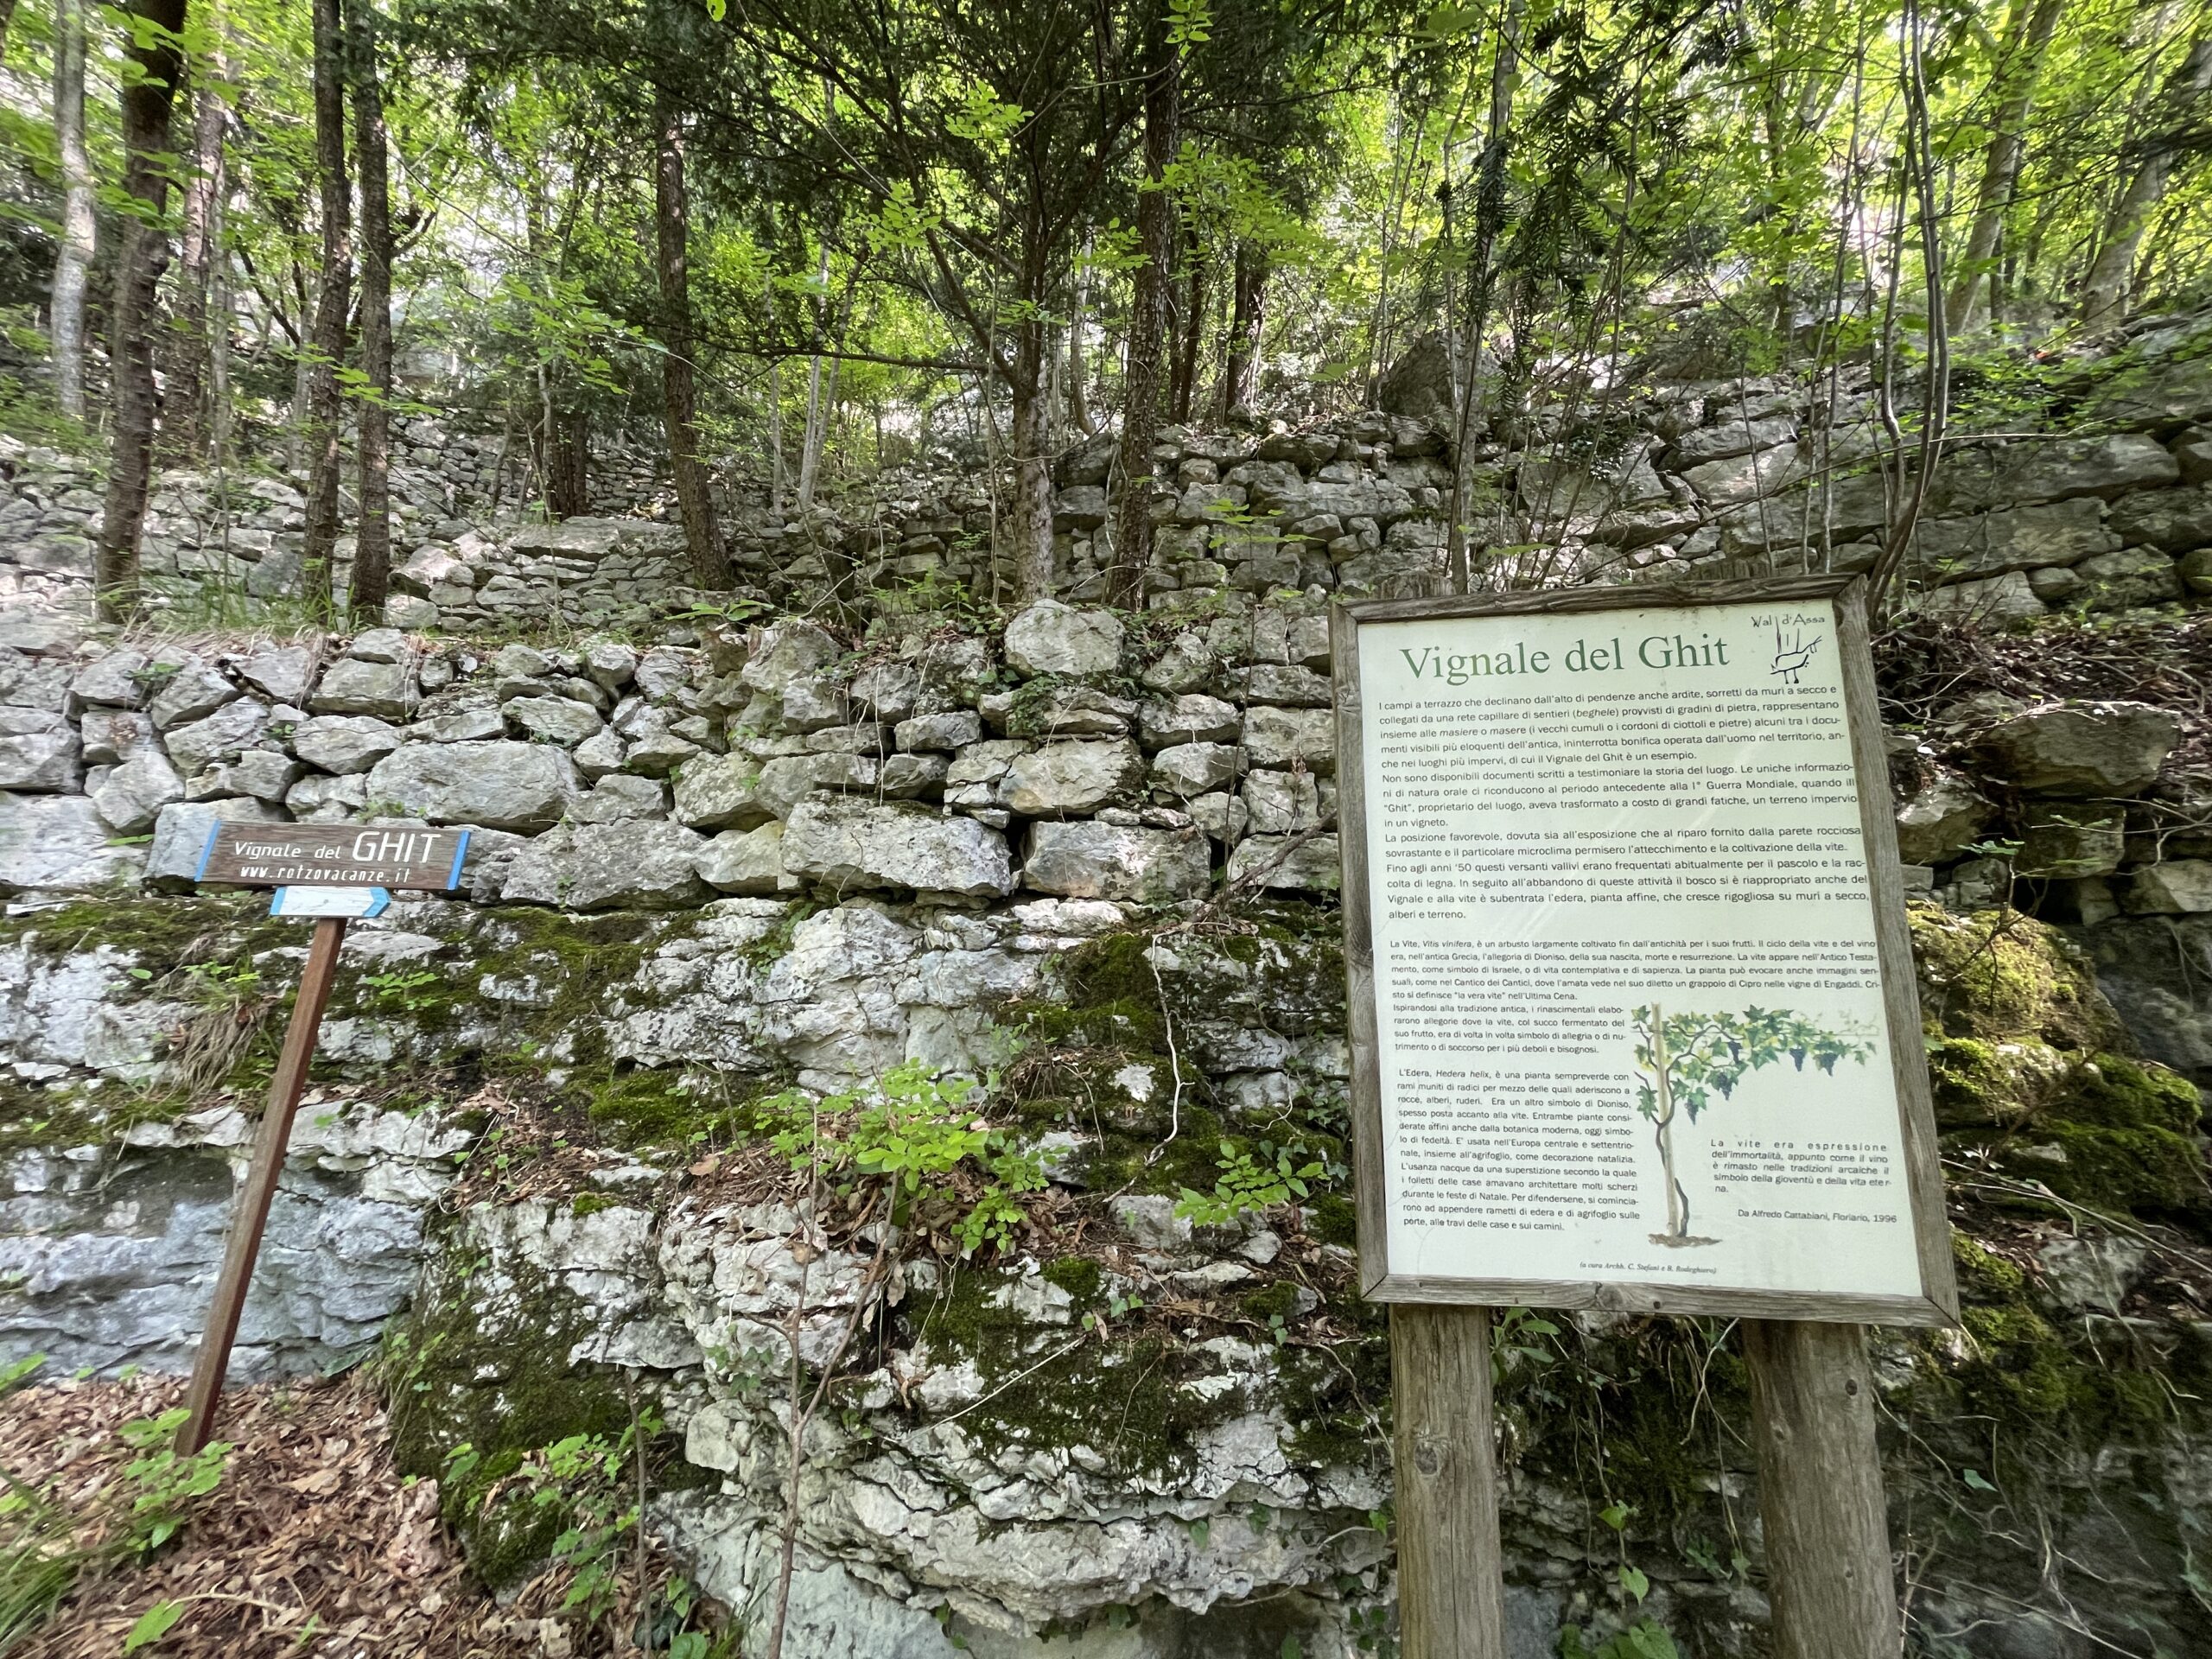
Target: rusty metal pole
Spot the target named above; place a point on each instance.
(243, 1244)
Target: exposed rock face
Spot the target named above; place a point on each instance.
(344, 743)
(61, 842)
(1100, 861)
(849, 845)
(631, 864)
(1062, 779)
(501, 785)
(1940, 820)
(1049, 638)
(2084, 751)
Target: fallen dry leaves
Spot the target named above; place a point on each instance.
(313, 1543)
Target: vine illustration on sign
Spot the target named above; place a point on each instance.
(1682, 1060)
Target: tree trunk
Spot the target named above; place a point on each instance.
(1078, 390)
(1185, 385)
(1031, 516)
(1141, 385)
(7, 17)
(1240, 376)
(1489, 218)
(148, 98)
(78, 223)
(2112, 273)
(710, 565)
(334, 300)
(184, 414)
(2025, 41)
(565, 461)
(810, 445)
(373, 540)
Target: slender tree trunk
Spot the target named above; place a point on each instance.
(1489, 218)
(1079, 415)
(77, 238)
(566, 462)
(2112, 273)
(184, 421)
(372, 539)
(809, 447)
(1032, 463)
(2025, 41)
(1140, 386)
(148, 98)
(1193, 331)
(334, 300)
(1247, 315)
(679, 398)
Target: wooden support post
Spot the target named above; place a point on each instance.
(1450, 1593)
(1828, 1534)
(244, 1242)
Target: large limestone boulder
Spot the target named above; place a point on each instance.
(224, 736)
(1062, 779)
(852, 843)
(749, 862)
(574, 539)
(58, 842)
(2178, 886)
(1941, 820)
(112, 681)
(38, 751)
(1049, 638)
(344, 744)
(501, 785)
(1285, 863)
(2049, 469)
(354, 687)
(1291, 737)
(279, 672)
(1089, 860)
(2174, 521)
(563, 721)
(181, 836)
(2083, 751)
(2017, 539)
(194, 690)
(1164, 722)
(721, 792)
(131, 797)
(641, 864)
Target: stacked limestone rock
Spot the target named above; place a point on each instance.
(2079, 818)
(242, 537)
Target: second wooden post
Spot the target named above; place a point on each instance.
(1451, 1591)
(1828, 1532)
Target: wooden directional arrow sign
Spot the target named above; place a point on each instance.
(333, 855)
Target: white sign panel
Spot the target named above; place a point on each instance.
(1629, 1022)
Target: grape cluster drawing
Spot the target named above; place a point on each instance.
(1684, 1060)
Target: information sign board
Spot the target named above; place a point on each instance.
(332, 855)
(1633, 1015)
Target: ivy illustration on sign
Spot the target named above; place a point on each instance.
(1684, 1059)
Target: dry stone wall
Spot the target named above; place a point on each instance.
(1093, 853)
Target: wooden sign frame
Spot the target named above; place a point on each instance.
(1937, 1305)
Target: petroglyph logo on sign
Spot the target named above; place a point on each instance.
(332, 855)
